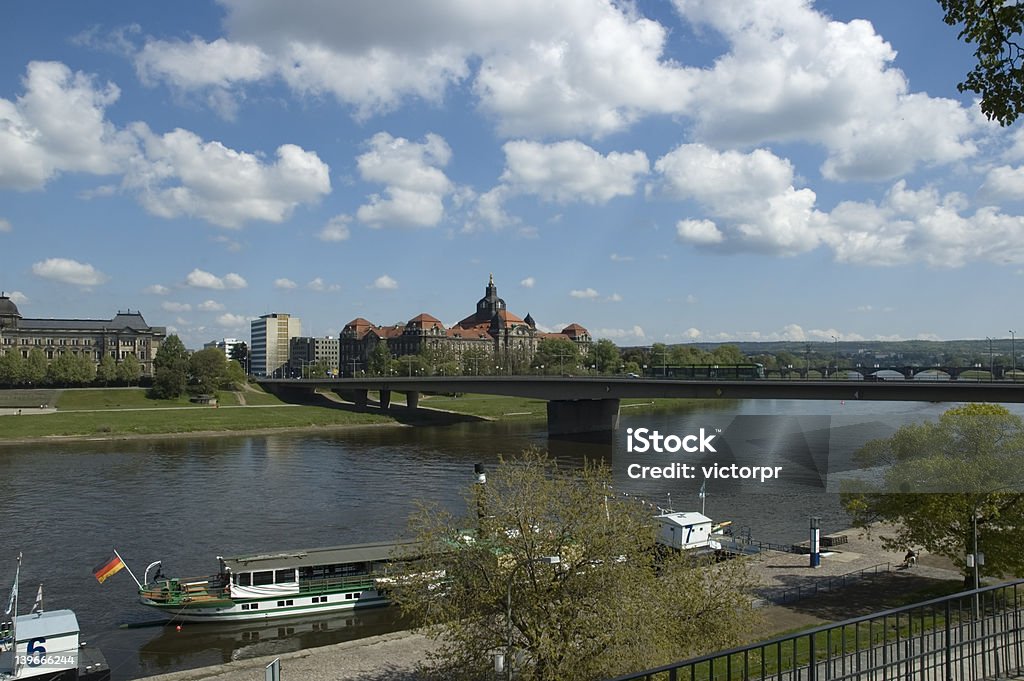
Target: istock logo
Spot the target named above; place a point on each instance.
(641, 440)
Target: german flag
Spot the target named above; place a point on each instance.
(108, 568)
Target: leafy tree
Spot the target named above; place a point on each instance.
(609, 605)
(944, 479)
(35, 367)
(235, 375)
(475, 361)
(688, 354)
(69, 369)
(240, 353)
(607, 357)
(107, 369)
(998, 76)
(660, 356)
(207, 371)
(728, 354)
(129, 369)
(379, 359)
(557, 356)
(171, 366)
(12, 368)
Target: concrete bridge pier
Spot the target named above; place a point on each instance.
(385, 399)
(575, 417)
(412, 399)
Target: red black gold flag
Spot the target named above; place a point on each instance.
(108, 568)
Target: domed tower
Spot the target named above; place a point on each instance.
(9, 314)
(490, 304)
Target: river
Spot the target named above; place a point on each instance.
(187, 500)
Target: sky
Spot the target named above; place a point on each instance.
(659, 171)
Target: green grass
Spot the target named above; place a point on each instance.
(522, 408)
(179, 421)
(125, 398)
(258, 396)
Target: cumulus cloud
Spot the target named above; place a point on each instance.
(336, 229)
(17, 297)
(528, 282)
(198, 278)
(180, 174)
(210, 306)
(285, 284)
(384, 282)
(157, 290)
(751, 196)
(59, 125)
(318, 284)
(615, 257)
(415, 184)
(587, 293)
(229, 320)
(5, 226)
(571, 171)
(636, 332)
(692, 333)
(69, 271)
(176, 307)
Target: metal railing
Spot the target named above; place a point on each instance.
(964, 637)
(824, 584)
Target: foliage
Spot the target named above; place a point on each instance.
(995, 29)
(942, 478)
(606, 356)
(106, 372)
(240, 353)
(129, 369)
(12, 368)
(609, 606)
(379, 359)
(234, 375)
(171, 369)
(557, 356)
(69, 369)
(207, 371)
(35, 367)
(475, 361)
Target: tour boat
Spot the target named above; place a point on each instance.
(272, 585)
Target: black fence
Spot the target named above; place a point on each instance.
(965, 637)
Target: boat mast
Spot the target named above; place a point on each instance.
(136, 579)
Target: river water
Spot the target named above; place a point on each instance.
(185, 501)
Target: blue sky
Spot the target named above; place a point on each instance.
(658, 172)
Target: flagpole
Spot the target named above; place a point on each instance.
(127, 568)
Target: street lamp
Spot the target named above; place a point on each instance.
(991, 361)
(836, 339)
(542, 560)
(1013, 356)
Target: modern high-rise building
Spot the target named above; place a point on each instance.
(269, 340)
(306, 351)
(225, 345)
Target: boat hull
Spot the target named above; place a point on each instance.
(225, 610)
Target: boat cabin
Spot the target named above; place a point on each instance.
(684, 530)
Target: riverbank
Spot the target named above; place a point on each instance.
(398, 656)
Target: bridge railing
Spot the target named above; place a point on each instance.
(967, 636)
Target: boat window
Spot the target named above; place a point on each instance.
(263, 578)
(283, 576)
(244, 579)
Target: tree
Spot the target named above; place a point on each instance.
(12, 368)
(129, 369)
(379, 360)
(998, 76)
(235, 375)
(207, 371)
(35, 367)
(557, 355)
(107, 369)
(606, 356)
(69, 369)
(475, 361)
(611, 604)
(728, 354)
(240, 353)
(170, 368)
(945, 481)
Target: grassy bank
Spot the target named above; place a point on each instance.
(522, 408)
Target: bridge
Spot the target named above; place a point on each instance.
(590, 404)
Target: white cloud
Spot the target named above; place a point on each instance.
(613, 298)
(791, 74)
(17, 297)
(229, 320)
(570, 171)
(59, 125)
(230, 244)
(69, 272)
(176, 307)
(386, 283)
(415, 184)
(692, 333)
(157, 290)
(198, 278)
(751, 196)
(336, 229)
(691, 299)
(5, 225)
(587, 293)
(636, 332)
(284, 284)
(210, 306)
(182, 175)
(615, 257)
(318, 284)
(528, 282)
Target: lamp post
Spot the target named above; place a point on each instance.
(1013, 356)
(836, 339)
(544, 560)
(991, 361)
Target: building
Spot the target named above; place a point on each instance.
(490, 340)
(126, 334)
(268, 346)
(305, 350)
(225, 345)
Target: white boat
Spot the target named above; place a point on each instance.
(45, 645)
(289, 584)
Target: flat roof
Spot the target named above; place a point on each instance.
(351, 553)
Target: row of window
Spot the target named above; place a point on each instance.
(50, 354)
(289, 602)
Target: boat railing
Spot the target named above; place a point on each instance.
(363, 580)
(185, 590)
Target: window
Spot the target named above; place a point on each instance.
(263, 578)
(244, 579)
(282, 604)
(250, 606)
(284, 576)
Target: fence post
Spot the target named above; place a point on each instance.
(273, 670)
(949, 644)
